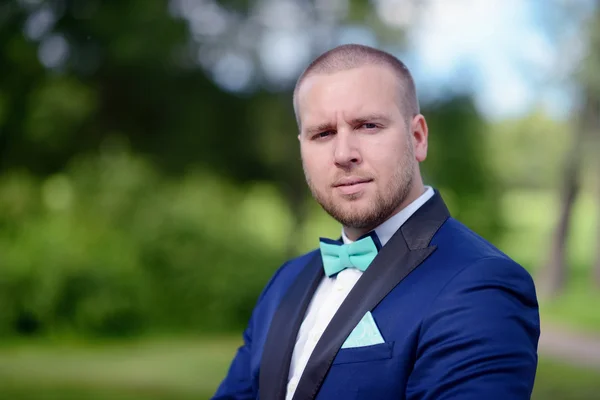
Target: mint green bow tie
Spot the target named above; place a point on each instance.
(337, 257)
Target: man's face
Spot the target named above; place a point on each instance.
(359, 151)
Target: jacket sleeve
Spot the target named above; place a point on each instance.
(479, 338)
(239, 383)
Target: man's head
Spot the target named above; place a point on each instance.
(361, 135)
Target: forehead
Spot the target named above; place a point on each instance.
(348, 93)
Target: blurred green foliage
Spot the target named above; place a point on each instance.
(457, 164)
(109, 246)
(138, 195)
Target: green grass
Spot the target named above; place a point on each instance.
(179, 369)
(577, 308)
(556, 381)
(156, 369)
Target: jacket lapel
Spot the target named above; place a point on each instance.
(281, 339)
(408, 248)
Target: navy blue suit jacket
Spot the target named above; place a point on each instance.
(459, 318)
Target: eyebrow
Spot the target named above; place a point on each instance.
(320, 128)
(356, 121)
(369, 118)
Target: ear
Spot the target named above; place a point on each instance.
(419, 133)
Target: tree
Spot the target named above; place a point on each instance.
(555, 273)
(457, 164)
(592, 83)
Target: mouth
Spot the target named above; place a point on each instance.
(351, 185)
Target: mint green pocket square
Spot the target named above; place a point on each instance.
(364, 334)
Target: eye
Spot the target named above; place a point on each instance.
(322, 135)
(369, 125)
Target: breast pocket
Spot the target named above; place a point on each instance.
(367, 353)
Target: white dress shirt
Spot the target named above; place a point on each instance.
(331, 293)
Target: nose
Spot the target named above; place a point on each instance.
(346, 151)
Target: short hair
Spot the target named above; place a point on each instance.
(350, 56)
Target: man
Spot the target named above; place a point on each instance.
(412, 304)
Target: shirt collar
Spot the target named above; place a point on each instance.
(386, 230)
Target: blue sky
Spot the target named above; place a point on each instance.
(499, 49)
(514, 55)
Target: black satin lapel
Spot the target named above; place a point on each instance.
(383, 275)
(398, 258)
(419, 229)
(279, 345)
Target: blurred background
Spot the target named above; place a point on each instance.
(150, 181)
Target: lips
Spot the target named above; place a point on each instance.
(351, 185)
(351, 181)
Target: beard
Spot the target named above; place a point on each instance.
(387, 199)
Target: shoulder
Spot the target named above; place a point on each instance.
(468, 249)
(485, 292)
(479, 267)
(285, 275)
(294, 266)
(497, 272)
(483, 304)
(473, 260)
(464, 241)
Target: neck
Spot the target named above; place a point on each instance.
(416, 190)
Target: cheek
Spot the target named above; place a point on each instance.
(315, 166)
(386, 161)
(383, 156)
(314, 159)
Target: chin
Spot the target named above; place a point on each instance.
(353, 197)
(356, 209)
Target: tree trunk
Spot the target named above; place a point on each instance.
(555, 272)
(594, 87)
(595, 130)
(596, 266)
